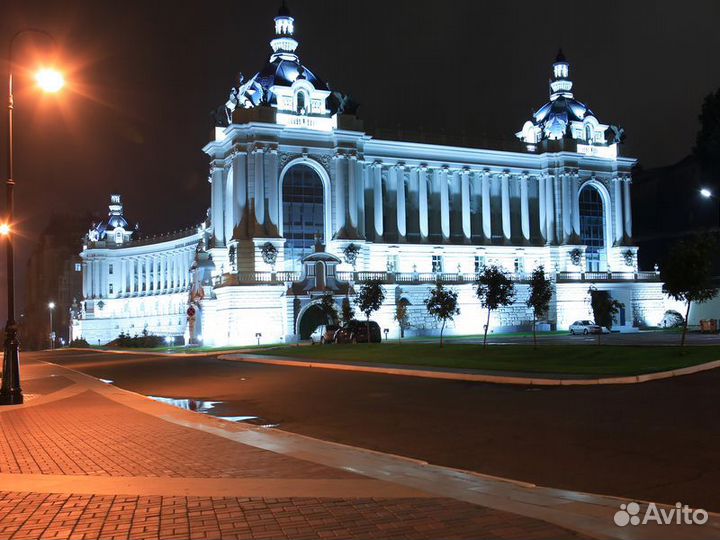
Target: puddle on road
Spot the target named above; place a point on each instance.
(210, 407)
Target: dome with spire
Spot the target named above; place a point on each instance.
(116, 228)
(286, 84)
(564, 117)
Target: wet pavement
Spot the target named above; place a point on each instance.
(652, 441)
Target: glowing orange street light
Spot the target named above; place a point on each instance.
(4, 229)
(49, 80)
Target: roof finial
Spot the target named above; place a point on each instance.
(283, 11)
(560, 56)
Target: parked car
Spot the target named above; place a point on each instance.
(344, 335)
(328, 334)
(356, 332)
(585, 327)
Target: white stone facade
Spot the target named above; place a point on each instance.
(417, 212)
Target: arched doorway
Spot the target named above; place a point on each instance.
(310, 319)
(303, 212)
(592, 228)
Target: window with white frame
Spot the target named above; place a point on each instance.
(437, 264)
(479, 263)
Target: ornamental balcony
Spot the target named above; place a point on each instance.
(416, 278)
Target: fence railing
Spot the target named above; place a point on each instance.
(276, 278)
(609, 276)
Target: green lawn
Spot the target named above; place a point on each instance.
(561, 359)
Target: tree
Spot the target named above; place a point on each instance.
(401, 316)
(604, 308)
(541, 291)
(369, 300)
(687, 273)
(707, 142)
(442, 304)
(329, 309)
(347, 313)
(494, 289)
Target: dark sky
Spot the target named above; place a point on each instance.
(144, 76)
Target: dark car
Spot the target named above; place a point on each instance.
(328, 335)
(356, 332)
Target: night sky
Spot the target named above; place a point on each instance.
(144, 76)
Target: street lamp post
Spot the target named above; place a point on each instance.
(708, 194)
(50, 81)
(51, 308)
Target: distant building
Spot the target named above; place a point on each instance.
(305, 204)
(53, 274)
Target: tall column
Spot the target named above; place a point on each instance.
(363, 181)
(239, 174)
(400, 203)
(575, 203)
(259, 154)
(524, 207)
(465, 203)
(423, 201)
(271, 184)
(121, 277)
(505, 192)
(541, 205)
(164, 272)
(340, 211)
(148, 274)
(487, 222)
(618, 210)
(444, 204)
(141, 274)
(131, 276)
(229, 202)
(217, 209)
(550, 209)
(87, 279)
(565, 208)
(377, 198)
(628, 211)
(97, 283)
(352, 192)
(158, 277)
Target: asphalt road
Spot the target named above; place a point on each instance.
(656, 441)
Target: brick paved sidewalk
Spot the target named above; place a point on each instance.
(79, 439)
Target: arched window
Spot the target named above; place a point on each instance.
(592, 227)
(589, 133)
(301, 107)
(303, 201)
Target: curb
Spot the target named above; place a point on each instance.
(474, 377)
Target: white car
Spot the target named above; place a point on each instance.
(585, 327)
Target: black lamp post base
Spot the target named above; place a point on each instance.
(10, 392)
(12, 398)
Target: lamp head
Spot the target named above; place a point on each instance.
(49, 80)
(705, 192)
(5, 229)
(51, 305)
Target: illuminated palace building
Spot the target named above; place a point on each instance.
(304, 203)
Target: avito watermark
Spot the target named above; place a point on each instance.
(680, 514)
